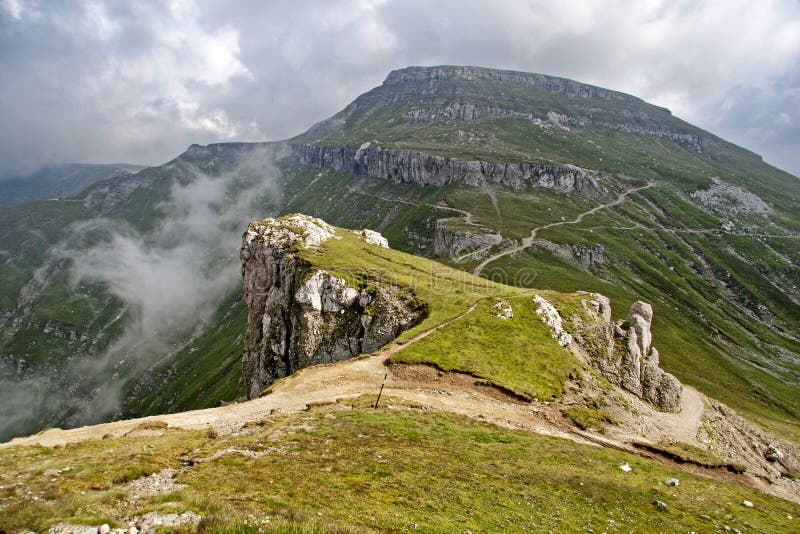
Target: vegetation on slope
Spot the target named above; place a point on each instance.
(340, 468)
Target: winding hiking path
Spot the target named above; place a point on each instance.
(528, 241)
(323, 384)
(422, 385)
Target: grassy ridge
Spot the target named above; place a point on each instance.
(361, 469)
(517, 353)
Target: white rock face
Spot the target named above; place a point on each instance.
(636, 367)
(550, 316)
(285, 232)
(729, 198)
(371, 237)
(503, 309)
(326, 293)
(299, 315)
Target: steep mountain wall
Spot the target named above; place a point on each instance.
(404, 166)
(300, 316)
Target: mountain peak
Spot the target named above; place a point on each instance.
(469, 73)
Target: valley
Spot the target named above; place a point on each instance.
(541, 233)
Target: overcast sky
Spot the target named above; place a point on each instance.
(109, 81)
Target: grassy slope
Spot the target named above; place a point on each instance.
(710, 325)
(518, 354)
(360, 469)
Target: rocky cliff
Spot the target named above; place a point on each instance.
(624, 354)
(299, 315)
(403, 166)
(452, 242)
(621, 351)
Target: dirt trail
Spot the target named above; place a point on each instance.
(528, 241)
(323, 384)
(424, 385)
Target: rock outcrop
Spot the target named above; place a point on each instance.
(730, 200)
(578, 254)
(406, 166)
(299, 315)
(449, 242)
(624, 354)
(550, 316)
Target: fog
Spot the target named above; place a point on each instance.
(170, 280)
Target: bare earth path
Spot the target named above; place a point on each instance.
(528, 241)
(327, 383)
(423, 385)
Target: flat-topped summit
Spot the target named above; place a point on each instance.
(501, 116)
(551, 83)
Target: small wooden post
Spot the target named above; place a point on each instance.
(381, 391)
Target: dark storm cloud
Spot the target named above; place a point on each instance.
(138, 81)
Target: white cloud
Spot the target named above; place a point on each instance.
(140, 81)
(12, 7)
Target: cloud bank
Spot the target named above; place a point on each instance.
(169, 281)
(104, 81)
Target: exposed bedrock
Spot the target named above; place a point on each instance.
(405, 166)
(450, 241)
(624, 354)
(299, 315)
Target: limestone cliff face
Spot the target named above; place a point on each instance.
(405, 166)
(449, 242)
(624, 354)
(299, 315)
(622, 351)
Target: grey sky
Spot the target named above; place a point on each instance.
(107, 81)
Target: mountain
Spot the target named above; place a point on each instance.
(524, 179)
(470, 417)
(57, 181)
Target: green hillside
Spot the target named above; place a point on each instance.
(722, 276)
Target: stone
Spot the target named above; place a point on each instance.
(550, 316)
(104, 529)
(371, 237)
(773, 454)
(300, 316)
(661, 505)
(411, 166)
(503, 309)
(730, 199)
(624, 352)
(451, 241)
(305, 231)
(672, 482)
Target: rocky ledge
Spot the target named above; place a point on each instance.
(624, 354)
(621, 351)
(299, 315)
(406, 166)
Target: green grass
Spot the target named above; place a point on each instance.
(588, 418)
(359, 469)
(518, 354)
(448, 292)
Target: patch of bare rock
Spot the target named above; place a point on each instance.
(144, 524)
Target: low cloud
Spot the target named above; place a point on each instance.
(108, 81)
(169, 280)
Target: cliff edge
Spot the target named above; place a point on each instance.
(299, 315)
